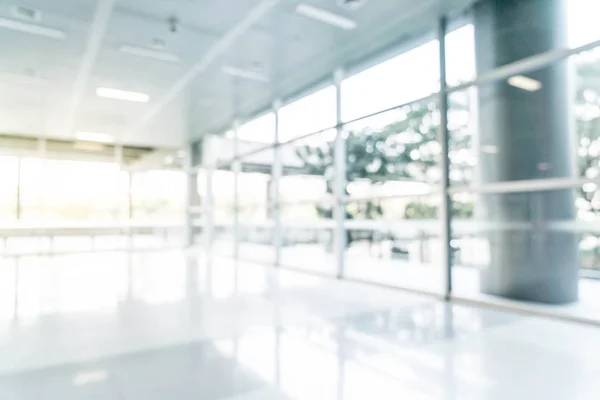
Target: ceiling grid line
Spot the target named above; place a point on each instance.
(94, 45)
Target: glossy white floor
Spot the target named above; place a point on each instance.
(159, 325)
(367, 265)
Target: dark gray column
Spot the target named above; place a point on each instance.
(526, 134)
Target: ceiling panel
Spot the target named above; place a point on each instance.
(306, 51)
(37, 73)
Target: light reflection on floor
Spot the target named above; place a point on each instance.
(169, 324)
(365, 265)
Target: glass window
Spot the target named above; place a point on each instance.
(583, 21)
(62, 189)
(460, 55)
(222, 188)
(306, 209)
(9, 167)
(158, 194)
(307, 168)
(394, 153)
(406, 77)
(395, 241)
(261, 129)
(521, 232)
(308, 115)
(529, 143)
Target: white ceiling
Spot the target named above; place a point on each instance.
(46, 89)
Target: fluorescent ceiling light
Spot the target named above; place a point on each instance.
(244, 73)
(122, 95)
(94, 137)
(83, 378)
(525, 83)
(26, 13)
(149, 53)
(325, 16)
(32, 28)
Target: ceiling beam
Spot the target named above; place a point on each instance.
(213, 53)
(98, 29)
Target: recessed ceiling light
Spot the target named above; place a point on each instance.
(94, 137)
(244, 73)
(169, 160)
(325, 16)
(257, 66)
(525, 83)
(149, 53)
(118, 94)
(26, 13)
(158, 44)
(32, 29)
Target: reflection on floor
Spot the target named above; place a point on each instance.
(167, 324)
(368, 265)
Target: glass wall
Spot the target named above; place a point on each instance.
(310, 114)
(157, 195)
(54, 190)
(306, 196)
(404, 78)
(62, 205)
(9, 188)
(36, 189)
(519, 196)
(392, 169)
(531, 194)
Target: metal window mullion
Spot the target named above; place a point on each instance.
(446, 210)
(208, 209)
(236, 168)
(128, 229)
(18, 194)
(277, 173)
(191, 195)
(339, 180)
(43, 155)
(528, 185)
(129, 195)
(118, 154)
